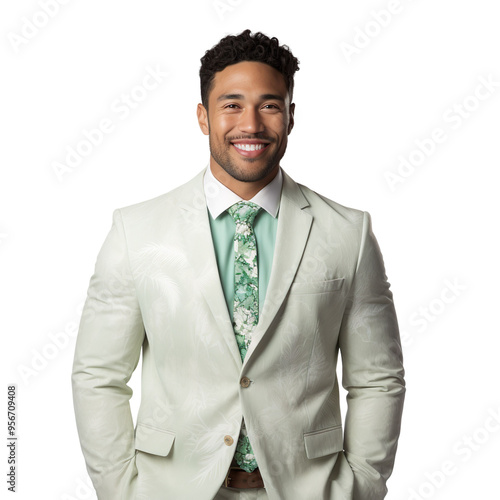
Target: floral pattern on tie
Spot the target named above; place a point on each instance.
(246, 300)
(244, 455)
(246, 280)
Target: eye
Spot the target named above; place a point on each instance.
(229, 106)
(272, 106)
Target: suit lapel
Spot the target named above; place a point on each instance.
(200, 248)
(292, 233)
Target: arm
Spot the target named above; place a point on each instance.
(107, 352)
(373, 373)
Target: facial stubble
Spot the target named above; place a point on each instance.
(223, 158)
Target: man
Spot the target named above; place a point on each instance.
(240, 287)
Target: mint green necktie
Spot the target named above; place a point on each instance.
(246, 300)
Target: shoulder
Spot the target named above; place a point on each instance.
(318, 200)
(188, 194)
(322, 207)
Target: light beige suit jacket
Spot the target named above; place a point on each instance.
(156, 289)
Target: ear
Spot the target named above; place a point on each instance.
(202, 114)
(291, 120)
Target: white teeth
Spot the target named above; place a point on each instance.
(250, 147)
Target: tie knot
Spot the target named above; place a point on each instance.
(244, 212)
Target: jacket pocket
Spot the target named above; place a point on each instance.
(317, 286)
(153, 440)
(323, 442)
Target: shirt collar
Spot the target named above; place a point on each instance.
(220, 198)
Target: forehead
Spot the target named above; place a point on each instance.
(249, 77)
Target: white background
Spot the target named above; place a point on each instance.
(356, 116)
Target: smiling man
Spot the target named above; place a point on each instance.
(240, 288)
(248, 125)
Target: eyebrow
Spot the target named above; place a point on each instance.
(225, 97)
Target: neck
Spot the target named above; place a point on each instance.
(245, 190)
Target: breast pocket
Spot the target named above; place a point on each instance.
(317, 286)
(153, 440)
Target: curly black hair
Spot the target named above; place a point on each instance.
(245, 47)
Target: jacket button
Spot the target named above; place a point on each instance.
(228, 440)
(245, 382)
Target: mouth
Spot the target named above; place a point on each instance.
(250, 149)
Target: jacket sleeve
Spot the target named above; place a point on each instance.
(107, 351)
(373, 372)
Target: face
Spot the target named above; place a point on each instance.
(248, 122)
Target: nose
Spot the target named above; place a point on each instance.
(250, 121)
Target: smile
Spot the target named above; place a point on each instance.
(250, 150)
(250, 147)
